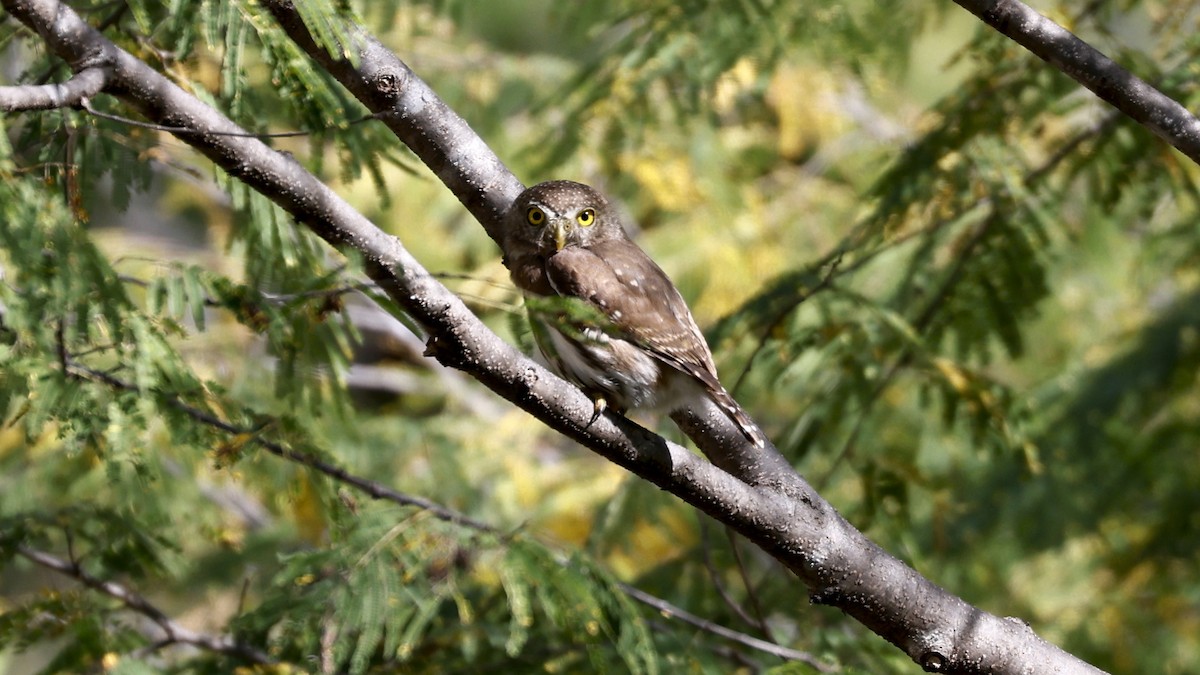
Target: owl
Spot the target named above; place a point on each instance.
(632, 344)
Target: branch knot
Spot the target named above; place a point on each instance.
(934, 662)
(389, 83)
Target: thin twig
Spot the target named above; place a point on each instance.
(87, 105)
(719, 584)
(1031, 177)
(751, 592)
(175, 633)
(714, 577)
(834, 260)
(671, 611)
(906, 352)
(273, 298)
(370, 487)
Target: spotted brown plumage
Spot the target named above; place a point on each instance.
(564, 240)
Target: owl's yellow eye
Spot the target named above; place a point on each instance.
(535, 216)
(586, 217)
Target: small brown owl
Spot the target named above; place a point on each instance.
(640, 346)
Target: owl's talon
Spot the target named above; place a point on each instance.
(599, 405)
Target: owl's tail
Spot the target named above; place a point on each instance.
(731, 408)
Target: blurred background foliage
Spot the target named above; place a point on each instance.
(959, 292)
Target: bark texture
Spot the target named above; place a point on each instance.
(760, 495)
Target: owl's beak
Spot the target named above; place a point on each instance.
(560, 234)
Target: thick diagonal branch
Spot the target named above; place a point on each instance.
(841, 566)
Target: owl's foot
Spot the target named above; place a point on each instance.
(599, 406)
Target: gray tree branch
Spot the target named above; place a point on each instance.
(85, 84)
(1085, 64)
(840, 565)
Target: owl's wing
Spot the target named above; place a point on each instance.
(635, 294)
(645, 308)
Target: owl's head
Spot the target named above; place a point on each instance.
(561, 213)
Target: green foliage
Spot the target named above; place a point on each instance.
(654, 63)
(964, 303)
(575, 318)
(398, 587)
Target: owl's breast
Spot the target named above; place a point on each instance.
(627, 377)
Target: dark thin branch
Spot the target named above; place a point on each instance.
(380, 491)
(369, 487)
(1085, 64)
(718, 583)
(833, 260)
(962, 256)
(372, 317)
(75, 91)
(277, 299)
(671, 611)
(86, 105)
(175, 633)
(919, 325)
(751, 592)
